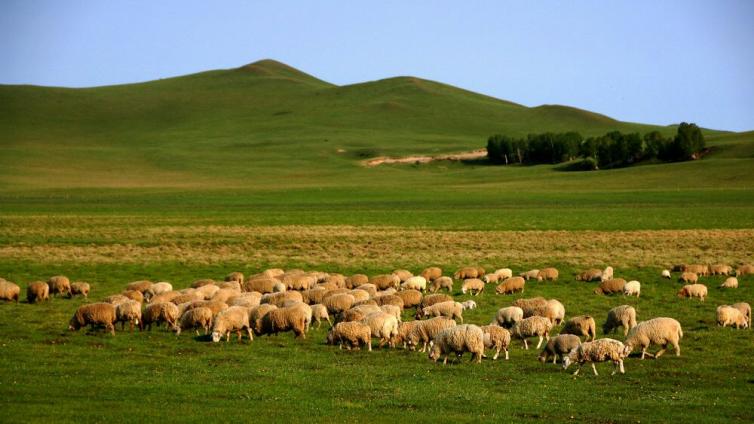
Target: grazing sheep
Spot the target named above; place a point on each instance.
(511, 285)
(129, 312)
(389, 299)
(403, 274)
(235, 276)
(441, 283)
(37, 291)
(392, 310)
(469, 304)
(410, 297)
(247, 299)
(592, 274)
(319, 313)
(235, 318)
(203, 282)
(9, 291)
(448, 309)
(222, 295)
(369, 288)
(693, 290)
(474, 285)
(134, 295)
(386, 281)
(357, 313)
(256, 314)
(530, 327)
(559, 346)
(384, 326)
(491, 278)
(607, 274)
(598, 351)
(666, 274)
(232, 285)
(80, 287)
(498, 338)
(431, 299)
(415, 283)
(466, 273)
(506, 317)
(157, 313)
(660, 331)
(262, 285)
(555, 311)
(745, 309)
(293, 318)
(432, 273)
(360, 296)
(195, 319)
(699, 269)
(632, 288)
(611, 286)
(314, 295)
(59, 284)
(531, 306)
(333, 292)
(425, 331)
(459, 339)
(547, 274)
(213, 305)
(140, 286)
(404, 330)
(207, 291)
(720, 269)
(338, 303)
(94, 314)
(504, 273)
(164, 297)
(352, 334)
(582, 325)
(528, 275)
(116, 299)
(728, 315)
(730, 283)
(356, 280)
(299, 282)
(744, 270)
(190, 297)
(620, 316)
(278, 299)
(689, 277)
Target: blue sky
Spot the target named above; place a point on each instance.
(657, 62)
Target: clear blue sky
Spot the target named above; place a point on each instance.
(647, 61)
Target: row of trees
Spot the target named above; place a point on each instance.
(614, 149)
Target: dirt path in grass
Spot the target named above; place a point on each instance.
(472, 155)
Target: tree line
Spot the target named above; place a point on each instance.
(611, 150)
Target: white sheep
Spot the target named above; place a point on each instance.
(469, 304)
(745, 309)
(473, 285)
(157, 289)
(607, 274)
(392, 310)
(129, 312)
(448, 309)
(508, 316)
(235, 318)
(559, 346)
(666, 274)
(530, 327)
(660, 331)
(196, 318)
(319, 313)
(417, 283)
(632, 288)
(599, 350)
(504, 273)
(620, 316)
(425, 331)
(730, 283)
(693, 290)
(728, 315)
(384, 327)
(353, 334)
(498, 338)
(458, 339)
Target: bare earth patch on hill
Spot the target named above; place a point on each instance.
(417, 159)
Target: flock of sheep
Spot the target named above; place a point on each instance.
(366, 308)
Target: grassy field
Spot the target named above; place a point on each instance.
(244, 169)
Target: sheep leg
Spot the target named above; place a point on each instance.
(540, 342)
(594, 368)
(581, 364)
(506, 353)
(661, 351)
(619, 365)
(497, 353)
(677, 349)
(526, 345)
(555, 359)
(445, 361)
(111, 328)
(644, 352)
(251, 336)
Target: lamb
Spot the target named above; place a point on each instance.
(632, 288)
(389, 299)
(384, 327)
(9, 291)
(720, 269)
(129, 312)
(474, 285)
(498, 338)
(338, 303)
(620, 316)
(582, 325)
(432, 273)
(157, 313)
(666, 274)
(469, 304)
(352, 334)
(559, 346)
(689, 277)
(504, 273)
(441, 283)
(263, 285)
(195, 319)
(415, 283)
(278, 299)
(728, 315)
(431, 299)
(744, 270)
(449, 309)
(293, 318)
(466, 273)
(730, 283)
(611, 286)
(528, 275)
(94, 314)
(745, 309)
(319, 313)
(693, 290)
(235, 318)
(598, 351)
(660, 331)
(59, 284)
(386, 281)
(506, 317)
(491, 278)
(410, 297)
(392, 310)
(140, 286)
(458, 339)
(425, 331)
(607, 274)
(234, 276)
(37, 291)
(80, 287)
(511, 285)
(530, 327)
(592, 274)
(404, 274)
(547, 274)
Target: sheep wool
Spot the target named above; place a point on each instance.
(558, 347)
(459, 339)
(728, 315)
(497, 338)
(547, 274)
(730, 283)
(37, 291)
(410, 297)
(129, 312)
(745, 309)
(94, 314)
(511, 285)
(351, 334)
(425, 331)
(508, 316)
(450, 309)
(195, 319)
(582, 325)
(530, 327)
(600, 350)
(235, 318)
(59, 284)
(384, 326)
(473, 285)
(693, 290)
(319, 313)
(610, 286)
(528, 275)
(9, 291)
(632, 288)
(660, 331)
(466, 273)
(432, 273)
(620, 316)
(82, 288)
(415, 283)
(292, 318)
(441, 283)
(592, 274)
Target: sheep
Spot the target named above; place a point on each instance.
(235, 276)
(299, 282)
(389, 299)
(94, 314)
(195, 319)
(582, 325)
(384, 326)
(607, 273)
(233, 285)
(369, 288)
(511, 285)
(473, 285)
(292, 318)
(246, 298)
(333, 292)
(448, 309)
(720, 269)
(432, 273)
(458, 339)
(508, 316)
(424, 332)
(360, 295)
(530, 327)
(555, 311)
(592, 274)
(392, 310)
(469, 304)
(632, 288)
(660, 331)
(313, 296)
(415, 283)
(9, 291)
(745, 309)
(263, 285)
(504, 273)
(559, 346)
(357, 313)
(319, 313)
(441, 283)
(597, 351)
(466, 273)
(404, 330)
(140, 286)
(213, 305)
(730, 283)
(403, 274)
(352, 334)
(235, 318)
(59, 284)
(728, 315)
(666, 274)
(257, 313)
(157, 313)
(134, 295)
(129, 312)
(498, 338)
(222, 295)
(745, 269)
(531, 306)
(37, 291)
(164, 297)
(620, 316)
(116, 299)
(693, 290)
(186, 298)
(528, 275)
(80, 287)
(689, 277)
(610, 286)
(491, 278)
(202, 282)
(702, 270)
(410, 297)
(207, 291)
(278, 299)
(338, 303)
(431, 299)
(386, 281)
(356, 280)
(273, 272)
(547, 274)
